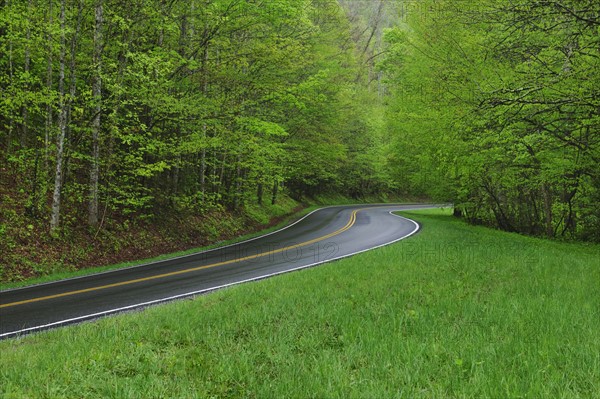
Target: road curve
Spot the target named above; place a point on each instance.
(322, 236)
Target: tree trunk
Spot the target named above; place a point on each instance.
(72, 83)
(11, 80)
(548, 210)
(97, 94)
(259, 193)
(238, 184)
(49, 83)
(24, 109)
(275, 190)
(62, 126)
(204, 127)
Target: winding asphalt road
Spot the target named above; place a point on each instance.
(321, 236)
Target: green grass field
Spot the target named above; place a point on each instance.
(456, 311)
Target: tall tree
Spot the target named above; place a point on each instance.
(96, 124)
(62, 124)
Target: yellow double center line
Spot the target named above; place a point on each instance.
(190, 270)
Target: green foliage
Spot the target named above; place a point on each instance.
(494, 107)
(203, 105)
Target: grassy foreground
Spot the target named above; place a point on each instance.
(456, 311)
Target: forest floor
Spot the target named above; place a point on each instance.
(455, 311)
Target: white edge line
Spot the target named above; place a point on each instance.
(205, 290)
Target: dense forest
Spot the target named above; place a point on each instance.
(495, 106)
(150, 109)
(181, 103)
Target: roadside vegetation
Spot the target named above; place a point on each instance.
(455, 311)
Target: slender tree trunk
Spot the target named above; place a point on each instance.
(222, 172)
(24, 109)
(215, 171)
(44, 178)
(68, 101)
(274, 193)
(11, 80)
(49, 83)
(72, 65)
(176, 170)
(97, 94)
(72, 84)
(204, 126)
(62, 126)
(548, 210)
(238, 184)
(161, 34)
(259, 193)
(185, 36)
